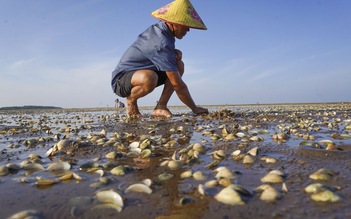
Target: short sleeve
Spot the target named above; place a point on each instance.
(165, 59)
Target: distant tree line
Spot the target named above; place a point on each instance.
(28, 107)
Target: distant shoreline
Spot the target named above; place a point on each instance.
(26, 109)
(29, 107)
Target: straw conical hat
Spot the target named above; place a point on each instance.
(180, 12)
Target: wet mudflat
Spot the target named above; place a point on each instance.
(255, 161)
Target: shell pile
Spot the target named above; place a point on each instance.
(232, 157)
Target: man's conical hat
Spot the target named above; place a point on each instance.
(180, 12)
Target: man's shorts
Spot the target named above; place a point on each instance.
(124, 86)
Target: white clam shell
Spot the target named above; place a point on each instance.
(272, 178)
(59, 166)
(229, 196)
(139, 187)
(109, 196)
(269, 194)
(325, 195)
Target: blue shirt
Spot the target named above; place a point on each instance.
(154, 49)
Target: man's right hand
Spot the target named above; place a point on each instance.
(200, 110)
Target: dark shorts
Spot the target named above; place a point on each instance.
(124, 86)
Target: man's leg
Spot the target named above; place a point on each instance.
(144, 82)
(161, 109)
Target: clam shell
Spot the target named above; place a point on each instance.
(66, 176)
(63, 144)
(322, 174)
(225, 174)
(272, 178)
(165, 176)
(46, 182)
(147, 182)
(119, 171)
(230, 137)
(312, 188)
(200, 148)
(325, 195)
(33, 167)
(111, 155)
(186, 174)
(109, 196)
(211, 183)
(173, 164)
(4, 170)
(248, 159)
(26, 214)
(198, 175)
(253, 151)
(59, 166)
(236, 153)
(229, 196)
(139, 187)
(145, 153)
(269, 194)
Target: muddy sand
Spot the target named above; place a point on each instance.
(293, 140)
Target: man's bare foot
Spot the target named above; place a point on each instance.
(161, 113)
(132, 109)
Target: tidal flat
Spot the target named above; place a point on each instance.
(238, 161)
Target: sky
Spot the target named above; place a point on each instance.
(62, 53)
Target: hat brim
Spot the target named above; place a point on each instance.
(171, 22)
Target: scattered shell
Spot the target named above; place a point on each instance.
(269, 194)
(33, 167)
(119, 171)
(145, 153)
(46, 182)
(198, 175)
(77, 177)
(4, 170)
(59, 166)
(270, 160)
(165, 176)
(34, 156)
(201, 189)
(211, 183)
(27, 214)
(147, 182)
(225, 182)
(186, 174)
(66, 176)
(229, 196)
(312, 188)
(230, 136)
(256, 138)
(219, 155)
(173, 164)
(88, 165)
(236, 153)
(109, 196)
(325, 195)
(111, 155)
(248, 159)
(284, 188)
(272, 178)
(322, 174)
(224, 173)
(253, 151)
(139, 187)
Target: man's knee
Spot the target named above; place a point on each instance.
(147, 79)
(180, 65)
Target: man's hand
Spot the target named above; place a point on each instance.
(200, 110)
(179, 55)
